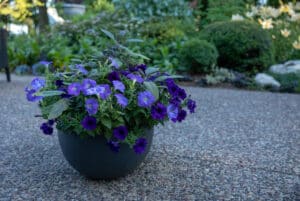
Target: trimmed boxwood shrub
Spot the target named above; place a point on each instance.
(198, 56)
(243, 46)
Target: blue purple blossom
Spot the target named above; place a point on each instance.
(135, 78)
(91, 106)
(114, 146)
(172, 87)
(89, 123)
(145, 99)
(158, 111)
(176, 101)
(103, 90)
(46, 63)
(74, 89)
(191, 105)
(51, 122)
(81, 69)
(46, 128)
(30, 95)
(120, 132)
(87, 84)
(37, 83)
(59, 83)
(181, 94)
(181, 115)
(114, 62)
(119, 86)
(122, 100)
(140, 145)
(172, 111)
(113, 76)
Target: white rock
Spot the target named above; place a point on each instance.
(288, 67)
(263, 80)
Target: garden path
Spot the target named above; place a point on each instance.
(240, 145)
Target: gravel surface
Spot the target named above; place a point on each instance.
(240, 145)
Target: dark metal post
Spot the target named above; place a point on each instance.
(3, 53)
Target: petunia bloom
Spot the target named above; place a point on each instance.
(74, 89)
(172, 111)
(91, 106)
(118, 85)
(120, 132)
(191, 105)
(158, 111)
(103, 90)
(145, 99)
(87, 84)
(135, 78)
(114, 62)
(181, 115)
(46, 128)
(113, 76)
(30, 95)
(140, 145)
(37, 83)
(122, 100)
(81, 69)
(89, 123)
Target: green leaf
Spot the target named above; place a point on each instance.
(106, 122)
(162, 78)
(133, 53)
(49, 93)
(109, 34)
(134, 40)
(151, 70)
(58, 108)
(152, 87)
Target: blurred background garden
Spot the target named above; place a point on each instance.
(234, 43)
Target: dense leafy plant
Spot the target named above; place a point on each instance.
(242, 45)
(109, 96)
(149, 9)
(198, 56)
(289, 82)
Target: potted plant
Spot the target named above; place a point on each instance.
(72, 7)
(105, 111)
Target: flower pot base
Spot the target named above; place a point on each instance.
(93, 158)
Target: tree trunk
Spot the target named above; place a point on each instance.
(43, 16)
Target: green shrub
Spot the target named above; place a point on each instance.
(149, 9)
(198, 56)
(243, 46)
(289, 82)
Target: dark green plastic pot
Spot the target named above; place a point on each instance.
(92, 157)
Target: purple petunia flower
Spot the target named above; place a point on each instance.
(89, 123)
(91, 106)
(158, 111)
(113, 76)
(114, 146)
(46, 63)
(181, 94)
(59, 83)
(140, 145)
(125, 72)
(191, 105)
(81, 69)
(120, 132)
(30, 95)
(119, 86)
(135, 78)
(172, 87)
(122, 100)
(46, 128)
(74, 89)
(172, 111)
(142, 67)
(145, 99)
(176, 101)
(114, 62)
(103, 90)
(37, 83)
(87, 84)
(181, 115)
